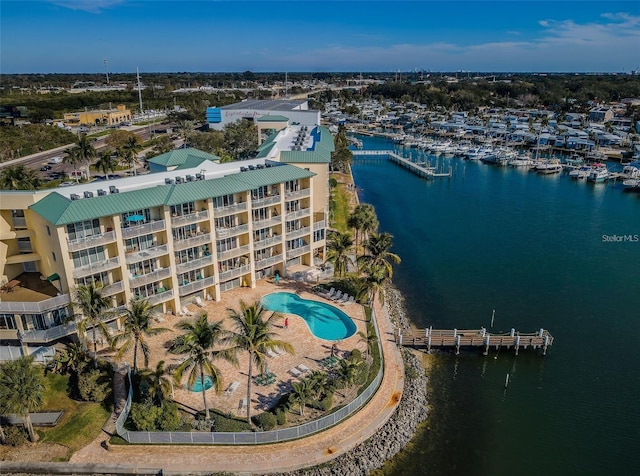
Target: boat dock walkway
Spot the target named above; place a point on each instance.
(474, 338)
(420, 169)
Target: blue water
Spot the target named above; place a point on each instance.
(197, 385)
(325, 321)
(532, 248)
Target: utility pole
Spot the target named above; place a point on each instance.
(106, 71)
(139, 90)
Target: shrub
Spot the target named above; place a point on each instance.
(169, 417)
(93, 386)
(355, 355)
(281, 417)
(144, 416)
(333, 183)
(15, 435)
(267, 421)
(323, 404)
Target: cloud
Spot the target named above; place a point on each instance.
(90, 6)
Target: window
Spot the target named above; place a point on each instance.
(83, 229)
(136, 217)
(98, 278)
(223, 201)
(184, 232)
(226, 222)
(48, 230)
(88, 256)
(53, 255)
(187, 255)
(260, 214)
(183, 209)
(138, 243)
(318, 235)
(226, 244)
(7, 321)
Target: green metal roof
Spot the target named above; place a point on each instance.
(191, 163)
(264, 151)
(60, 210)
(326, 139)
(274, 118)
(180, 156)
(304, 157)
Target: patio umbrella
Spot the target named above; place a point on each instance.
(135, 218)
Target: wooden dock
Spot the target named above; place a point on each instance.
(420, 169)
(456, 338)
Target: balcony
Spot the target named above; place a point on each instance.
(145, 229)
(298, 252)
(318, 225)
(232, 231)
(228, 254)
(263, 263)
(265, 243)
(305, 192)
(298, 233)
(19, 222)
(112, 289)
(194, 264)
(151, 277)
(297, 214)
(192, 241)
(91, 241)
(234, 273)
(273, 221)
(190, 218)
(196, 285)
(160, 297)
(230, 209)
(96, 267)
(34, 307)
(265, 202)
(148, 253)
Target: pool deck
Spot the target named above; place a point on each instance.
(313, 450)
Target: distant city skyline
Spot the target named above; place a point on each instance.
(76, 36)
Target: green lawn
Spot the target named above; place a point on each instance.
(82, 421)
(339, 206)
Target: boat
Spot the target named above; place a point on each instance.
(521, 160)
(631, 185)
(552, 166)
(581, 172)
(599, 174)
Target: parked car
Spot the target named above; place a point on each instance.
(44, 168)
(55, 160)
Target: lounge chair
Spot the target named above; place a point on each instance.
(186, 311)
(337, 296)
(199, 302)
(329, 294)
(272, 354)
(243, 404)
(345, 297)
(232, 388)
(303, 368)
(295, 372)
(351, 300)
(279, 351)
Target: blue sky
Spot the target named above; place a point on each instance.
(73, 36)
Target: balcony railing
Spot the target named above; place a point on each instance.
(318, 225)
(160, 297)
(297, 194)
(234, 273)
(112, 289)
(144, 229)
(263, 263)
(148, 253)
(235, 283)
(91, 241)
(190, 218)
(265, 202)
(192, 241)
(151, 277)
(298, 251)
(196, 285)
(96, 267)
(232, 231)
(194, 264)
(297, 214)
(35, 307)
(232, 253)
(298, 233)
(230, 209)
(265, 243)
(25, 247)
(19, 222)
(273, 221)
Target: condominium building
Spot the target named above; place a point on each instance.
(196, 229)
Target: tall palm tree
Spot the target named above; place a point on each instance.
(375, 281)
(377, 253)
(86, 151)
(348, 372)
(301, 393)
(253, 334)
(106, 163)
(19, 177)
(198, 344)
(137, 324)
(21, 390)
(339, 245)
(73, 157)
(69, 359)
(159, 385)
(129, 152)
(94, 308)
(363, 220)
(369, 339)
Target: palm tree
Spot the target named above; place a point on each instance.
(129, 152)
(363, 220)
(253, 334)
(369, 339)
(106, 163)
(375, 281)
(199, 342)
(19, 177)
(137, 324)
(94, 307)
(348, 372)
(377, 253)
(339, 245)
(86, 151)
(21, 390)
(73, 157)
(70, 359)
(159, 385)
(301, 393)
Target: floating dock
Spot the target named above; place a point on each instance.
(420, 169)
(456, 338)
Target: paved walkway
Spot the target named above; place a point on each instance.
(306, 452)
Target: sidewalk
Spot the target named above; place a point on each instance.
(259, 459)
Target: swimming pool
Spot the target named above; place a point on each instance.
(324, 321)
(197, 385)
